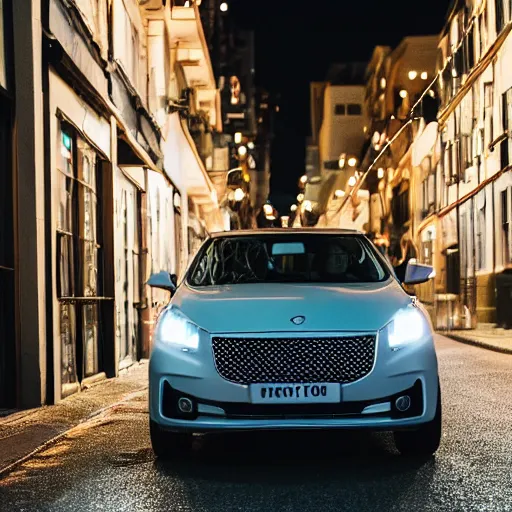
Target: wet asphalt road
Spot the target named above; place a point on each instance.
(108, 465)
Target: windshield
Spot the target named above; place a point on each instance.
(287, 259)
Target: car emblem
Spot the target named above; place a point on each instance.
(298, 320)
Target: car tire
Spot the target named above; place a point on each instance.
(424, 441)
(168, 445)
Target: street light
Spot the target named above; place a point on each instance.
(352, 162)
(239, 195)
(268, 209)
(224, 6)
(238, 138)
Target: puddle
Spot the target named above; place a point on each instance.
(135, 458)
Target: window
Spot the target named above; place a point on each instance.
(3, 69)
(340, 110)
(286, 259)
(488, 118)
(79, 257)
(354, 109)
(500, 16)
(480, 234)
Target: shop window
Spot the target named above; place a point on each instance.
(354, 109)
(340, 110)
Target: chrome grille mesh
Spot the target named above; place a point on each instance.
(294, 360)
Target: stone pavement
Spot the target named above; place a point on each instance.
(24, 432)
(486, 336)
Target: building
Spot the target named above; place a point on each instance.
(466, 198)
(333, 152)
(112, 153)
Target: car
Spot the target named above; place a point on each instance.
(293, 329)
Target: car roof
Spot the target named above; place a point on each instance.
(285, 232)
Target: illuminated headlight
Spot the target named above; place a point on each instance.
(408, 326)
(175, 329)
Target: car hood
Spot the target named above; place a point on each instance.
(258, 308)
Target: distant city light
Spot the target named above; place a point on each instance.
(268, 209)
(352, 162)
(413, 75)
(242, 151)
(239, 194)
(403, 94)
(380, 173)
(352, 181)
(424, 75)
(224, 6)
(238, 138)
(307, 206)
(300, 198)
(293, 208)
(304, 179)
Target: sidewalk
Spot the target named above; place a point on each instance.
(485, 336)
(23, 432)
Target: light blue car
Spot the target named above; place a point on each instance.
(295, 330)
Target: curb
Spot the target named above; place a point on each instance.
(96, 414)
(475, 343)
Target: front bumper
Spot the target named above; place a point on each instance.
(220, 405)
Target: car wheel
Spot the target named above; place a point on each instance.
(424, 441)
(167, 445)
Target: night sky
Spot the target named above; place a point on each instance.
(296, 41)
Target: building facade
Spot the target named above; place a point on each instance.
(110, 181)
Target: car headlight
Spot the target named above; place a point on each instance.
(174, 328)
(408, 326)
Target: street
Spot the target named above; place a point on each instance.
(107, 463)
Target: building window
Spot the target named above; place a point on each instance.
(78, 257)
(500, 16)
(340, 110)
(488, 118)
(354, 109)
(480, 237)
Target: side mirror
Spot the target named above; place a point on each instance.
(417, 273)
(164, 281)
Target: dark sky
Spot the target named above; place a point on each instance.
(296, 41)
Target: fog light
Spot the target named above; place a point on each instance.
(185, 405)
(403, 403)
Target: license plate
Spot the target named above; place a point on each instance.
(295, 393)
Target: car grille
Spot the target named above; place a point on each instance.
(294, 360)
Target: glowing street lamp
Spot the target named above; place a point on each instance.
(239, 195)
(224, 6)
